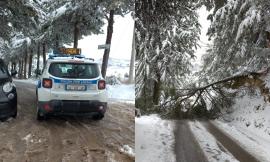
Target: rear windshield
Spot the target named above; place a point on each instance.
(74, 70)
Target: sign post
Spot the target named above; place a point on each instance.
(104, 46)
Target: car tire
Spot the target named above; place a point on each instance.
(40, 117)
(98, 116)
(15, 114)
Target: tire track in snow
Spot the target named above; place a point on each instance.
(187, 148)
(237, 151)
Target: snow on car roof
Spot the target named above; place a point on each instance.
(70, 59)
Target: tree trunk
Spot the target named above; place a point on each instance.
(108, 41)
(76, 35)
(44, 54)
(157, 89)
(30, 64)
(132, 60)
(56, 41)
(9, 66)
(38, 55)
(25, 64)
(20, 68)
(13, 67)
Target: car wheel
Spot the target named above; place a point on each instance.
(40, 117)
(15, 114)
(98, 116)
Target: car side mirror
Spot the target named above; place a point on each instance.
(14, 72)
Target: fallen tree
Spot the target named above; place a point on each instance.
(215, 96)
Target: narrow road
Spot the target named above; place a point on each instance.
(65, 139)
(186, 147)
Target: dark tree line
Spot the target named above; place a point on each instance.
(31, 28)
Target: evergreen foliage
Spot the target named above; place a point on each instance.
(240, 34)
(167, 34)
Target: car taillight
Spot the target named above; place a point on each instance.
(101, 84)
(47, 83)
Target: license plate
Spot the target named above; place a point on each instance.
(71, 87)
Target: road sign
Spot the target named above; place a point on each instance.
(104, 46)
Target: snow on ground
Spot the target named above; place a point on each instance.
(30, 81)
(210, 146)
(117, 67)
(121, 92)
(154, 139)
(249, 124)
(254, 144)
(252, 114)
(126, 149)
(27, 138)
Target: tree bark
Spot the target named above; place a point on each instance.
(38, 55)
(56, 41)
(76, 35)
(25, 64)
(157, 90)
(132, 60)
(44, 54)
(108, 41)
(20, 68)
(13, 67)
(30, 64)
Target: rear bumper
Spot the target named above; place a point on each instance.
(72, 107)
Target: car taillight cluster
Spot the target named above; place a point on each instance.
(101, 84)
(47, 83)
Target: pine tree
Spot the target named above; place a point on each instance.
(167, 36)
(240, 32)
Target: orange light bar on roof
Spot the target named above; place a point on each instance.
(70, 51)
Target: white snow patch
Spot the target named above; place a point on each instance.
(252, 114)
(29, 81)
(267, 81)
(122, 92)
(126, 149)
(117, 67)
(210, 145)
(154, 139)
(248, 122)
(256, 145)
(27, 138)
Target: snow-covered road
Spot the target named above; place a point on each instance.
(161, 140)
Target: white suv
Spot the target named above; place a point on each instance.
(71, 86)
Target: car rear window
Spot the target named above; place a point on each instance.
(74, 70)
